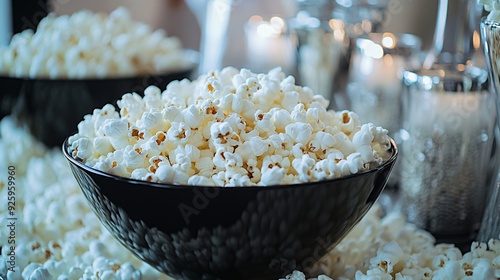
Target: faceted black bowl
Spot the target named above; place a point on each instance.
(200, 232)
(52, 108)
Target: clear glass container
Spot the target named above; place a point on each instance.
(448, 131)
(375, 77)
(324, 33)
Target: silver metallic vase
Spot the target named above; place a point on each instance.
(490, 36)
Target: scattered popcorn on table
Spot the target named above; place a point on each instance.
(58, 236)
(257, 130)
(91, 45)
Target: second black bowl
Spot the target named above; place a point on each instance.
(52, 108)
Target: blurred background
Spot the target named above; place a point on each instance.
(179, 18)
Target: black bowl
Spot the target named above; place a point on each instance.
(200, 232)
(52, 108)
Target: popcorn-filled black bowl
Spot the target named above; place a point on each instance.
(201, 232)
(52, 108)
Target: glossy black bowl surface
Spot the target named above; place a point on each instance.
(197, 232)
(52, 108)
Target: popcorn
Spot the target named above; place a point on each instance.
(91, 45)
(390, 248)
(235, 118)
(77, 246)
(304, 166)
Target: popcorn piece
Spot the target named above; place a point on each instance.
(304, 166)
(272, 176)
(116, 131)
(198, 180)
(40, 273)
(179, 133)
(300, 132)
(82, 148)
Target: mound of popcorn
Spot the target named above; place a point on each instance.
(229, 128)
(91, 45)
(58, 236)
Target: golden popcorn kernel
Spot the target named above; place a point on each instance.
(135, 61)
(138, 150)
(156, 161)
(469, 273)
(115, 267)
(211, 110)
(141, 135)
(48, 253)
(75, 152)
(260, 117)
(152, 169)
(466, 266)
(135, 132)
(35, 246)
(222, 138)
(345, 118)
(210, 88)
(182, 134)
(383, 264)
(114, 164)
(161, 138)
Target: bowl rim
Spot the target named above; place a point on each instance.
(193, 58)
(86, 168)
